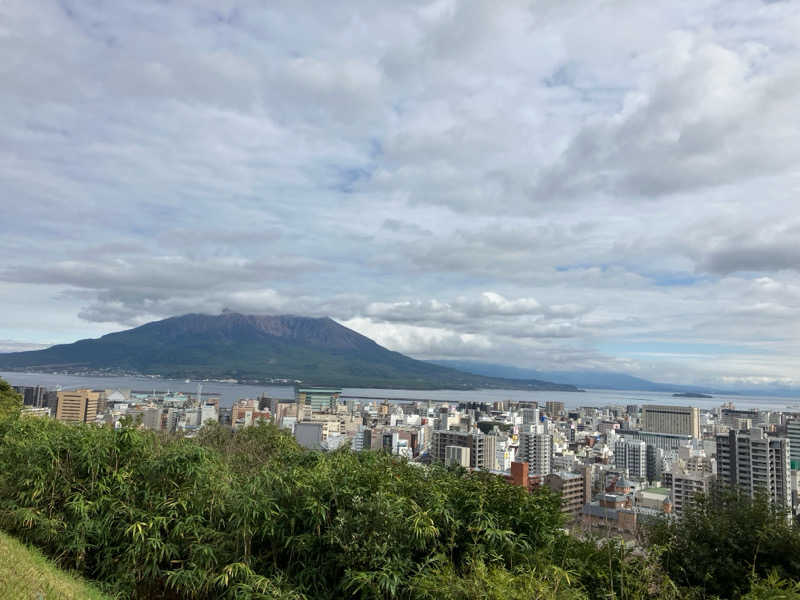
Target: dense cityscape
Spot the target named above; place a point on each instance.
(612, 465)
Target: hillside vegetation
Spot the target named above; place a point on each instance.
(252, 515)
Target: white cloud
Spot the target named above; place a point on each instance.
(524, 183)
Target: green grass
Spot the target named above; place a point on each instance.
(25, 574)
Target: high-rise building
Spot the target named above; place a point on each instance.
(554, 409)
(631, 455)
(755, 462)
(530, 416)
(671, 419)
(536, 449)
(483, 448)
(32, 395)
(793, 433)
(77, 406)
(655, 463)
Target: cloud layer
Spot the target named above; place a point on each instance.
(550, 184)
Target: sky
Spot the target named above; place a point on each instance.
(559, 185)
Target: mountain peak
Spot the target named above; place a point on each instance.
(254, 347)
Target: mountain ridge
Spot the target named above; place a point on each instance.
(584, 379)
(257, 348)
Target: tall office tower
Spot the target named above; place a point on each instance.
(483, 448)
(537, 450)
(554, 409)
(671, 419)
(754, 462)
(793, 433)
(78, 406)
(32, 395)
(631, 455)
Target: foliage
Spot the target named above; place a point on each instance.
(608, 569)
(253, 515)
(725, 538)
(772, 587)
(10, 401)
(482, 581)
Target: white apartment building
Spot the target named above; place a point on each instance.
(537, 450)
(631, 455)
(755, 462)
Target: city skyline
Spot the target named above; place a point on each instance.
(553, 186)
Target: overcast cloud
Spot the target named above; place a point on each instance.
(553, 184)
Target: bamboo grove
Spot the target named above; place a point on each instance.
(252, 515)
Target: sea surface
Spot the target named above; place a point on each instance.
(230, 392)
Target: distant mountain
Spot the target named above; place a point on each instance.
(256, 348)
(584, 379)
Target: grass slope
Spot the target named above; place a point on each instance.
(25, 573)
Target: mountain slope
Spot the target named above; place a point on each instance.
(251, 347)
(584, 379)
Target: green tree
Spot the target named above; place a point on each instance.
(724, 539)
(772, 587)
(10, 401)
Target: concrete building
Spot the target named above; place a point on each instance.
(730, 416)
(318, 399)
(456, 455)
(683, 420)
(687, 485)
(572, 489)
(793, 434)
(632, 456)
(655, 463)
(554, 409)
(530, 417)
(665, 441)
(78, 406)
(309, 435)
(32, 395)
(755, 462)
(244, 412)
(536, 449)
(482, 447)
